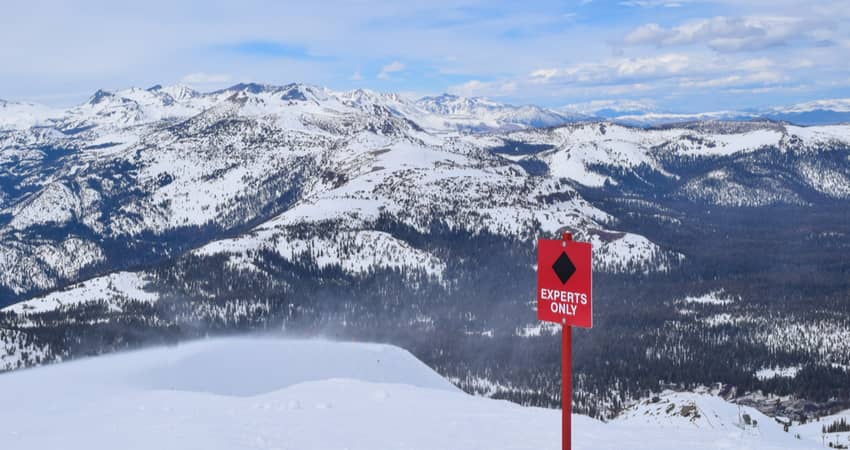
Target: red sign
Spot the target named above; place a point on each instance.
(563, 295)
(564, 282)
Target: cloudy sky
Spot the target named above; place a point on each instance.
(676, 55)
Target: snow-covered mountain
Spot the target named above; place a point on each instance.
(254, 168)
(814, 112)
(596, 154)
(165, 159)
(22, 115)
(162, 160)
(479, 114)
(148, 216)
(268, 394)
(653, 118)
(817, 112)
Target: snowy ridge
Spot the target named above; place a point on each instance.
(20, 116)
(737, 426)
(627, 252)
(834, 104)
(817, 112)
(267, 394)
(812, 431)
(588, 153)
(578, 146)
(356, 252)
(734, 426)
(404, 177)
(661, 118)
(35, 265)
(135, 106)
(109, 288)
(164, 160)
(479, 114)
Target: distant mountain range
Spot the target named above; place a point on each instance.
(824, 112)
(444, 112)
(441, 113)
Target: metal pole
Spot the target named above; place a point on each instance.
(566, 386)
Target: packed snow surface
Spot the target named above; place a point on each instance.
(269, 393)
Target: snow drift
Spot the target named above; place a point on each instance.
(291, 394)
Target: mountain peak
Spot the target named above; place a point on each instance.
(178, 91)
(298, 92)
(251, 88)
(100, 96)
(445, 96)
(454, 104)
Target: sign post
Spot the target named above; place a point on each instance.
(566, 387)
(564, 284)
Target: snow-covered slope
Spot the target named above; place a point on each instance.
(733, 426)
(165, 160)
(279, 394)
(110, 288)
(592, 153)
(577, 148)
(648, 119)
(814, 112)
(21, 115)
(480, 114)
(259, 167)
(813, 431)
(817, 112)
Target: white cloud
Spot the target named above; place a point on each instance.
(729, 34)
(757, 78)
(757, 64)
(618, 69)
(654, 3)
(663, 64)
(619, 105)
(669, 76)
(477, 88)
(686, 70)
(393, 67)
(649, 33)
(205, 78)
(801, 63)
(447, 39)
(545, 74)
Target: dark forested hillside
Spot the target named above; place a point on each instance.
(645, 336)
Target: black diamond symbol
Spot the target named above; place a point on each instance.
(564, 268)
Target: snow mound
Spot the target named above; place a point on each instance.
(265, 393)
(733, 426)
(239, 367)
(247, 367)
